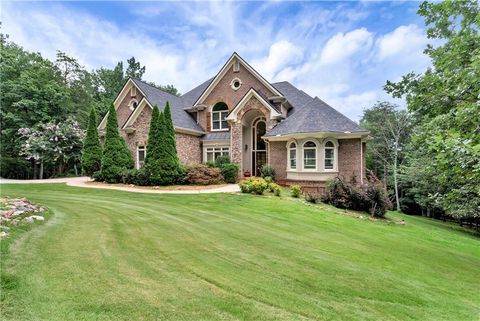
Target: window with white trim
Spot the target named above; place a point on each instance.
(309, 155)
(213, 152)
(329, 155)
(133, 104)
(219, 115)
(141, 153)
(292, 155)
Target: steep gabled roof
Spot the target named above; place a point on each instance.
(225, 68)
(158, 97)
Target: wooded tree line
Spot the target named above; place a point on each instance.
(429, 154)
(41, 99)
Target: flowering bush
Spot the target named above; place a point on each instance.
(295, 191)
(203, 175)
(274, 188)
(255, 185)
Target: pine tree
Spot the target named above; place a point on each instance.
(116, 156)
(92, 150)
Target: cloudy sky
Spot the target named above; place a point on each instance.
(342, 52)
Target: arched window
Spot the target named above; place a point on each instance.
(219, 113)
(292, 155)
(309, 155)
(329, 155)
(133, 104)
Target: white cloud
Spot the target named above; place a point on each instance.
(282, 54)
(342, 46)
(185, 43)
(403, 41)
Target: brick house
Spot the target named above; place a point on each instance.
(240, 114)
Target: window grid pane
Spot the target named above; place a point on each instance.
(329, 157)
(293, 158)
(309, 158)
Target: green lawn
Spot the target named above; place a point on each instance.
(110, 255)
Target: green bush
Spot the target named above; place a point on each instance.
(97, 176)
(116, 157)
(203, 175)
(15, 168)
(222, 160)
(274, 188)
(140, 177)
(268, 179)
(255, 185)
(268, 170)
(92, 150)
(295, 191)
(230, 172)
(210, 163)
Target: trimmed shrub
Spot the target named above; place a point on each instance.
(274, 188)
(268, 170)
(222, 160)
(210, 163)
(92, 150)
(116, 157)
(295, 191)
(97, 176)
(312, 197)
(268, 179)
(369, 197)
(230, 172)
(15, 168)
(255, 185)
(203, 175)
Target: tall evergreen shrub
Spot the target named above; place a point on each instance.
(170, 167)
(92, 150)
(116, 156)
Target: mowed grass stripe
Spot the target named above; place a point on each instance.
(110, 255)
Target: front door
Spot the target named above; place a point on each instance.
(259, 147)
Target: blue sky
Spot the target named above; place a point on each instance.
(342, 52)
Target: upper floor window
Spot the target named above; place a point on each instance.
(219, 113)
(309, 155)
(292, 155)
(329, 155)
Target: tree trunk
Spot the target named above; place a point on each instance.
(395, 182)
(41, 170)
(385, 170)
(75, 167)
(34, 164)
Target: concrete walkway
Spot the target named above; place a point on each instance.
(83, 182)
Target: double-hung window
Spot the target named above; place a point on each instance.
(292, 156)
(309, 155)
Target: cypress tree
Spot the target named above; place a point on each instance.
(154, 148)
(116, 156)
(170, 169)
(92, 150)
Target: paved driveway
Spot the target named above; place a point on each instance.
(82, 182)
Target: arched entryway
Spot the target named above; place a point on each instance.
(254, 154)
(259, 146)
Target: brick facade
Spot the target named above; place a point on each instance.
(277, 158)
(349, 158)
(188, 146)
(223, 92)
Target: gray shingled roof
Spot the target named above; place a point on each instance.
(216, 136)
(159, 97)
(315, 116)
(190, 97)
(307, 115)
